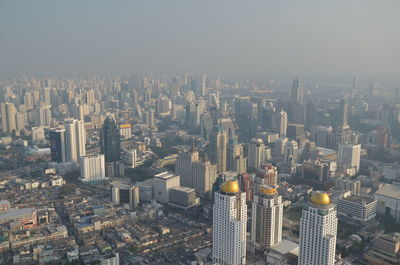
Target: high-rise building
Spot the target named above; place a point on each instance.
(349, 158)
(344, 113)
(217, 150)
(195, 173)
(57, 145)
(92, 167)
(229, 225)
(75, 139)
(318, 228)
(111, 140)
(130, 158)
(43, 115)
(281, 122)
(297, 91)
(256, 154)
(150, 118)
(267, 215)
(8, 121)
(267, 175)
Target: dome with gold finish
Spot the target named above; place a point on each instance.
(320, 197)
(268, 190)
(230, 186)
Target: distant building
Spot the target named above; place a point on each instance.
(57, 145)
(75, 140)
(256, 154)
(130, 158)
(163, 182)
(388, 197)
(358, 208)
(92, 167)
(385, 250)
(349, 158)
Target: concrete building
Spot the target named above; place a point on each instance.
(163, 182)
(195, 173)
(8, 120)
(388, 197)
(385, 250)
(281, 122)
(349, 158)
(357, 208)
(146, 190)
(130, 158)
(285, 253)
(217, 150)
(318, 228)
(75, 140)
(267, 215)
(92, 168)
(183, 197)
(229, 225)
(256, 154)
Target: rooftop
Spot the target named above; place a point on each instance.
(389, 190)
(164, 175)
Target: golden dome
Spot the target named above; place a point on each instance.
(230, 187)
(320, 197)
(268, 190)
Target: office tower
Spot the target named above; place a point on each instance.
(28, 100)
(217, 150)
(349, 158)
(268, 175)
(8, 121)
(344, 113)
(297, 91)
(323, 136)
(311, 115)
(206, 125)
(267, 215)
(229, 225)
(195, 173)
(111, 140)
(92, 168)
(267, 118)
(256, 154)
(295, 131)
(57, 145)
(281, 122)
(150, 118)
(318, 227)
(75, 139)
(163, 107)
(240, 164)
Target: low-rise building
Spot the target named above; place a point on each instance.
(357, 207)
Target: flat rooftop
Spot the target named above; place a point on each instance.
(389, 190)
(359, 199)
(287, 246)
(164, 175)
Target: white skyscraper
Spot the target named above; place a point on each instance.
(75, 139)
(256, 156)
(281, 122)
(92, 167)
(318, 228)
(267, 214)
(349, 158)
(229, 225)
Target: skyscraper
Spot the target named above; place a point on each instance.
(195, 173)
(267, 215)
(349, 158)
(229, 225)
(318, 228)
(111, 140)
(256, 154)
(217, 154)
(297, 91)
(8, 121)
(75, 139)
(344, 113)
(281, 122)
(57, 145)
(111, 148)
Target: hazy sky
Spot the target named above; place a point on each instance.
(285, 37)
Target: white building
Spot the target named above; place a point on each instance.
(318, 228)
(110, 259)
(256, 156)
(388, 197)
(267, 215)
(75, 139)
(162, 184)
(130, 158)
(357, 207)
(281, 121)
(349, 158)
(92, 167)
(229, 225)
